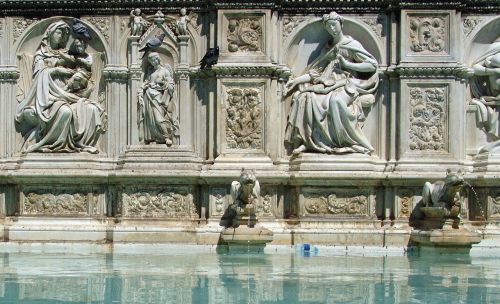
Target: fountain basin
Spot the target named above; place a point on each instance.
(246, 239)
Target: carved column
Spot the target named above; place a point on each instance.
(8, 79)
(116, 106)
(135, 75)
(186, 107)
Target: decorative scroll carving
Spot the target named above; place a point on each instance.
(244, 34)
(265, 205)
(427, 34)
(170, 202)
(55, 204)
(428, 119)
(102, 24)
(290, 23)
(405, 202)
(470, 23)
(243, 118)
(336, 204)
(376, 24)
(20, 25)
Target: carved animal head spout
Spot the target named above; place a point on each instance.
(247, 181)
(455, 179)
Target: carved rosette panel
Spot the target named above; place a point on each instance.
(20, 25)
(218, 201)
(243, 118)
(59, 202)
(428, 33)
(244, 33)
(428, 119)
(290, 23)
(494, 206)
(102, 24)
(341, 203)
(173, 202)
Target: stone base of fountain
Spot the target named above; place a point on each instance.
(246, 239)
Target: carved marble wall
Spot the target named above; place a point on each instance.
(343, 116)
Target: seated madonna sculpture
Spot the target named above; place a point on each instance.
(329, 101)
(56, 114)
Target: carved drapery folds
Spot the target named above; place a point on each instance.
(59, 108)
(243, 118)
(428, 119)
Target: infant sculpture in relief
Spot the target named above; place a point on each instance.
(138, 22)
(485, 90)
(157, 122)
(330, 100)
(56, 114)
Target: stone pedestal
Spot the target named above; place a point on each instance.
(452, 240)
(246, 239)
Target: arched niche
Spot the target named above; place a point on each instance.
(30, 41)
(485, 34)
(310, 40)
(168, 51)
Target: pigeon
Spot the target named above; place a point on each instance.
(153, 44)
(210, 58)
(80, 31)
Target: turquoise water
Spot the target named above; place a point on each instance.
(193, 277)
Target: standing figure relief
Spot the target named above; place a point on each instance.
(330, 100)
(158, 122)
(56, 114)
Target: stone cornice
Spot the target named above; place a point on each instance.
(119, 73)
(225, 71)
(78, 7)
(421, 71)
(9, 74)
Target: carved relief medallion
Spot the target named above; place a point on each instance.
(428, 34)
(244, 34)
(243, 118)
(428, 119)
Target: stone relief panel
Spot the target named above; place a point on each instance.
(218, 201)
(167, 202)
(102, 24)
(244, 33)
(494, 205)
(405, 202)
(60, 109)
(60, 202)
(243, 118)
(376, 24)
(337, 202)
(267, 205)
(428, 34)
(428, 119)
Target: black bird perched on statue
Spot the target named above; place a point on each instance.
(210, 58)
(152, 44)
(80, 31)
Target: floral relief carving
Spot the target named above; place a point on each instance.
(102, 24)
(290, 23)
(428, 34)
(20, 25)
(244, 34)
(428, 119)
(376, 24)
(405, 202)
(173, 203)
(55, 204)
(470, 23)
(336, 204)
(243, 118)
(264, 206)
(219, 201)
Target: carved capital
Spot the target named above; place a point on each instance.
(115, 73)
(10, 74)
